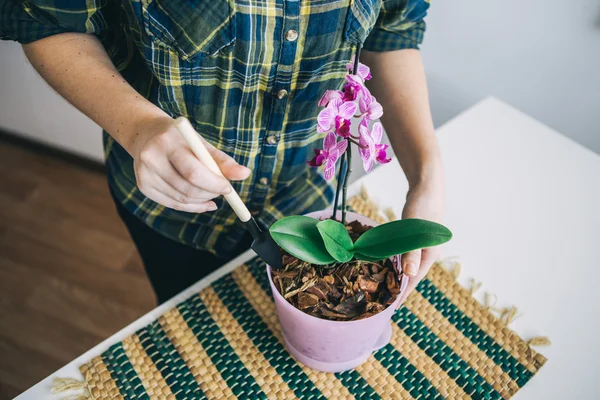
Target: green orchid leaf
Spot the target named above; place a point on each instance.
(398, 237)
(299, 236)
(337, 240)
(363, 257)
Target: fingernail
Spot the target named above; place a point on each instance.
(226, 190)
(212, 208)
(411, 269)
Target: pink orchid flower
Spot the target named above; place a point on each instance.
(371, 150)
(363, 71)
(342, 127)
(332, 150)
(354, 87)
(369, 107)
(336, 115)
(330, 95)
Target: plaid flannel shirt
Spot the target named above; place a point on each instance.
(247, 73)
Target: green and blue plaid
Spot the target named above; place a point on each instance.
(247, 86)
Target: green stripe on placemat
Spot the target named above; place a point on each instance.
(472, 383)
(122, 372)
(459, 364)
(255, 266)
(487, 344)
(238, 378)
(406, 373)
(357, 385)
(171, 366)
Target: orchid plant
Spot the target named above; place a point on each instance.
(326, 242)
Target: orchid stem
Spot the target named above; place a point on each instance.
(357, 55)
(339, 186)
(348, 169)
(348, 152)
(356, 143)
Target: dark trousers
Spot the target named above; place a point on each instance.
(172, 266)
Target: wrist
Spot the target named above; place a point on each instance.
(144, 127)
(426, 172)
(420, 159)
(426, 200)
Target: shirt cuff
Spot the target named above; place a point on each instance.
(383, 40)
(18, 25)
(31, 34)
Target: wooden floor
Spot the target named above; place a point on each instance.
(69, 273)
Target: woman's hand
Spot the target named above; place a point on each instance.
(166, 170)
(424, 201)
(169, 173)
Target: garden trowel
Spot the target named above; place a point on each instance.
(263, 243)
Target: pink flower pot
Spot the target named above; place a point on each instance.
(334, 346)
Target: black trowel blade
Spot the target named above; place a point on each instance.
(264, 245)
(268, 250)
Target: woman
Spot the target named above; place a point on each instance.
(248, 75)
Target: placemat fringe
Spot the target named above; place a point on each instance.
(539, 341)
(506, 315)
(76, 397)
(62, 385)
(474, 286)
(452, 265)
(487, 301)
(509, 314)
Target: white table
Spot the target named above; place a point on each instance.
(523, 204)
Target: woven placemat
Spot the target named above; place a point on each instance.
(225, 342)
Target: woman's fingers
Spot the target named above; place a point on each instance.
(196, 173)
(157, 189)
(411, 262)
(200, 196)
(229, 167)
(167, 201)
(186, 191)
(426, 259)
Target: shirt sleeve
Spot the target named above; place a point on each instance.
(400, 25)
(26, 21)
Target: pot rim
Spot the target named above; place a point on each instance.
(395, 260)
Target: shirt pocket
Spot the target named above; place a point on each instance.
(193, 29)
(361, 18)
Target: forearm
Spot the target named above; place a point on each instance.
(399, 85)
(78, 68)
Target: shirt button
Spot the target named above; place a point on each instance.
(255, 213)
(272, 139)
(264, 181)
(291, 35)
(282, 93)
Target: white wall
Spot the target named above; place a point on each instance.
(28, 107)
(541, 56)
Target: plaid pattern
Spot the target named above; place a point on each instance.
(222, 64)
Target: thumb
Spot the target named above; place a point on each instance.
(411, 262)
(229, 167)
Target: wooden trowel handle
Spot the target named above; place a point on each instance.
(199, 149)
